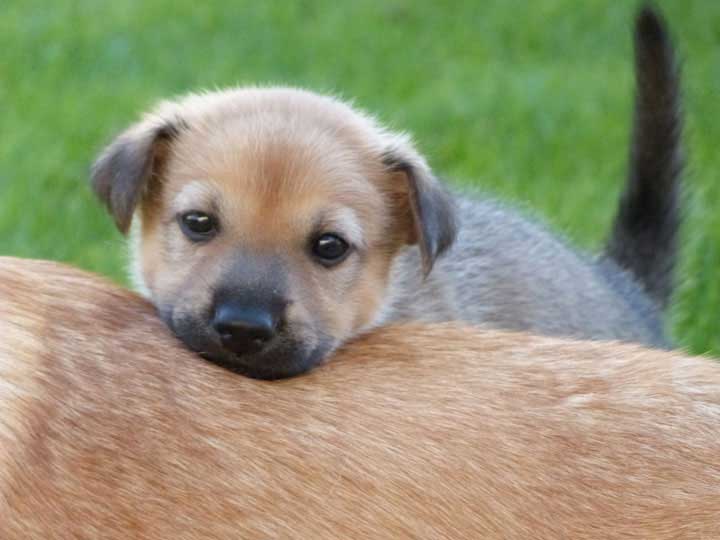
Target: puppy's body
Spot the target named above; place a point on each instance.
(110, 429)
(237, 195)
(509, 272)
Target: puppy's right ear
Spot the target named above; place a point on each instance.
(428, 210)
(123, 172)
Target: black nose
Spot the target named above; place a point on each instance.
(243, 329)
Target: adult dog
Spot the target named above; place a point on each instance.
(110, 429)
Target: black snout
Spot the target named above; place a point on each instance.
(244, 329)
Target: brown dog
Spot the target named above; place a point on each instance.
(110, 429)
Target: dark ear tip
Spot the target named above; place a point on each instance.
(101, 182)
(123, 225)
(447, 228)
(436, 218)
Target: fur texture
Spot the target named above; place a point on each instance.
(110, 429)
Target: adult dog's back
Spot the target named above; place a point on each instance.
(110, 429)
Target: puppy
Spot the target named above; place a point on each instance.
(274, 224)
(111, 429)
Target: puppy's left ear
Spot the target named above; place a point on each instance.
(124, 172)
(426, 202)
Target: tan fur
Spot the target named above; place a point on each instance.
(110, 429)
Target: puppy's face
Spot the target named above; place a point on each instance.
(269, 220)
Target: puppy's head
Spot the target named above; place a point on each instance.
(268, 220)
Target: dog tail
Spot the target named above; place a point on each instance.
(644, 239)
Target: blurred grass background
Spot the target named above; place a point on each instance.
(528, 100)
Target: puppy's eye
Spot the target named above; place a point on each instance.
(198, 226)
(330, 249)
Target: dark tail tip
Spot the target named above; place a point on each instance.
(645, 232)
(650, 26)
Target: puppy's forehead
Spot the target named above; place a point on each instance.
(277, 152)
(239, 124)
(290, 106)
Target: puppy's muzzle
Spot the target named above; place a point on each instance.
(244, 329)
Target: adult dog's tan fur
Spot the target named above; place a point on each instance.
(110, 429)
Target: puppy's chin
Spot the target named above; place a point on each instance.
(289, 357)
(273, 365)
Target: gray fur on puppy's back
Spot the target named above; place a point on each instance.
(510, 272)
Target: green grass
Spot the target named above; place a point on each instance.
(529, 100)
